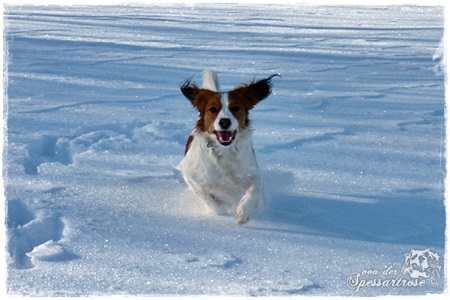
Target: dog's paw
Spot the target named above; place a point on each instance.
(242, 216)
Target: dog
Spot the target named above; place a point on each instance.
(220, 165)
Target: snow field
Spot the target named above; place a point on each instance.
(350, 147)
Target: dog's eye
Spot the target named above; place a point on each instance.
(235, 108)
(213, 110)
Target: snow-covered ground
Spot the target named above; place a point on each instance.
(350, 146)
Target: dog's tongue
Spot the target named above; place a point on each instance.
(225, 136)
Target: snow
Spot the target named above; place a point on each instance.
(350, 146)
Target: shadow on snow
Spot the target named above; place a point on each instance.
(402, 218)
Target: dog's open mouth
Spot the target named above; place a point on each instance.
(225, 137)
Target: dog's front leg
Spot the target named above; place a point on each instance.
(214, 203)
(248, 204)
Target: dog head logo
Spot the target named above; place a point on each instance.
(421, 264)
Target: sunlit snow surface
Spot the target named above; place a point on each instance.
(350, 146)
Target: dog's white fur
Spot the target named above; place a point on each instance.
(220, 175)
(210, 80)
(226, 178)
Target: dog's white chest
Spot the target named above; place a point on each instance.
(218, 173)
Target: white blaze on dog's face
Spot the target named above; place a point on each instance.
(225, 115)
(228, 121)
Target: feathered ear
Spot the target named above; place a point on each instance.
(255, 91)
(261, 89)
(190, 90)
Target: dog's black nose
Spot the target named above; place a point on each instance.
(225, 123)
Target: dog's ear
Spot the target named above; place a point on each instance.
(256, 91)
(262, 88)
(190, 90)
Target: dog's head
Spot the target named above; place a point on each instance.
(421, 264)
(224, 115)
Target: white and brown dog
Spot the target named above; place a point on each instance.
(220, 164)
